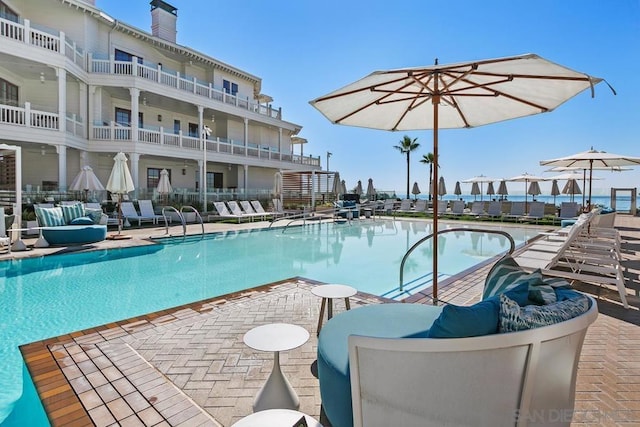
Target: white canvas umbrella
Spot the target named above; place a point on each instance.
(337, 185)
(457, 191)
(590, 159)
(442, 189)
(371, 192)
(502, 188)
(573, 173)
(120, 182)
(164, 185)
(415, 190)
(460, 95)
(86, 181)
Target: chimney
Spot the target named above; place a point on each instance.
(163, 20)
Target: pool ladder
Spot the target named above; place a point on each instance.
(180, 214)
(449, 230)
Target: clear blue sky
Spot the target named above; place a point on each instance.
(303, 49)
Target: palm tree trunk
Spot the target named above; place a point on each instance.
(430, 179)
(407, 174)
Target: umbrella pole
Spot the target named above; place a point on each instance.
(590, 178)
(584, 182)
(436, 102)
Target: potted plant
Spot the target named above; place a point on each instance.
(29, 221)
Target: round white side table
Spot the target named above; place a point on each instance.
(276, 393)
(328, 292)
(276, 418)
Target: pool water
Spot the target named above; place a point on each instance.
(58, 294)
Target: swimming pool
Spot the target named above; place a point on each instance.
(50, 296)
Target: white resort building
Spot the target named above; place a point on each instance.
(78, 86)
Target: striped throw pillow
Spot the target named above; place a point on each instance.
(71, 212)
(515, 318)
(50, 217)
(504, 275)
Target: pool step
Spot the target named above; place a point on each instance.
(413, 287)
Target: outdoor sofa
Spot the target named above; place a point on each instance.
(510, 359)
(71, 224)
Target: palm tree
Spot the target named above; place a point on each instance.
(429, 159)
(406, 146)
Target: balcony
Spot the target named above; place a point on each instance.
(116, 132)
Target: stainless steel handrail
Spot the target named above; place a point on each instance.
(449, 230)
(198, 216)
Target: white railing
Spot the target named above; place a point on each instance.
(75, 125)
(25, 116)
(114, 131)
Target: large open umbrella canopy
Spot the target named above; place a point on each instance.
(457, 191)
(86, 181)
(164, 185)
(120, 182)
(573, 173)
(590, 159)
(460, 95)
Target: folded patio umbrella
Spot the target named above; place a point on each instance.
(120, 182)
(555, 190)
(475, 190)
(371, 192)
(457, 191)
(490, 190)
(86, 181)
(442, 189)
(164, 185)
(415, 190)
(502, 188)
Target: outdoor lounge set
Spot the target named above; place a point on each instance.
(510, 359)
(71, 224)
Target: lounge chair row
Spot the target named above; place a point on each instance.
(243, 210)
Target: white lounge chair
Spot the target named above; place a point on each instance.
(248, 209)
(405, 206)
(5, 240)
(235, 209)
(477, 208)
(568, 210)
(146, 210)
(494, 210)
(420, 206)
(129, 213)
(536, 212)
(457, 208)
(517, 210)
(224, 212)
(574, 260)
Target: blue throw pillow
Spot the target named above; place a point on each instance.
(515, 318)
(479, 319)
(82, 220)
(94, 214)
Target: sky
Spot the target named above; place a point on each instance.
(303, 49)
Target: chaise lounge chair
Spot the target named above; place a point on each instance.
(223, 212)
(129, 213)
(146, 210)
(536, 212)
(517, 211)
(248, 209)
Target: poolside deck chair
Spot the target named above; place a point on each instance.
(477, 208)
(5, 240)
(517, 210)
(457, 208)
(248, 209)
(223, 212)
(573, 260)
(420, 206)
(405, 206)
(569, 210)
(258, 208)
(146, 210)
(129, 213)
(536, 212)
(494, 210)
(386, 208)
(235, 209)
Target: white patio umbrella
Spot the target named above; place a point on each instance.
(457, 191)
(358, 189)
(442, 188)
(574, 173)
(461, 95)
(415, 190)
(502, 188)
(120, 182)
(590, 159)
(555, 190)
(164, 185)
(526, 178)
(371, 192)
(480, 179)
(337, 185)
(86, 181)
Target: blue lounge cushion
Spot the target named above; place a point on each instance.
(50, 217)
(81, 220)
(71, 212)
(514, 318)
(75, 234)
(475, 320)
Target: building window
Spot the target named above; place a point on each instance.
(121, 55)
(176, 127)
(215, 181)
(193, 130)
(153, 177)
(123, 117)
(8, 93)
(230, 87)
(7, 13)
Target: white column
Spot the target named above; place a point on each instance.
(83, 159)
(134, 158)
(246, 136)
(84, 109)
(203, 169)
(246, 180)
(135, 96)
(279, 143)
(62, 167)
(62, 98)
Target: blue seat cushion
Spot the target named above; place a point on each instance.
(381, 320)
(74, 234)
